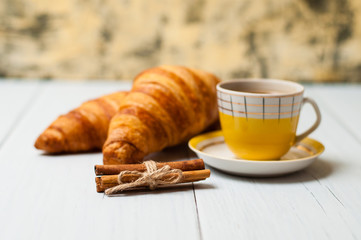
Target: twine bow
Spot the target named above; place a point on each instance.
(153, 177)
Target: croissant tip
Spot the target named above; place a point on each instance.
(40, 143)
(109, 156)
(121, 153)
(48, 144)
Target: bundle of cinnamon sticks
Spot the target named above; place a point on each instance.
(107, 175)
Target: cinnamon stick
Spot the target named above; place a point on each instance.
(105, 182)
(188, 165)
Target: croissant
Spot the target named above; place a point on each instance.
(82, 129)
(167, 105)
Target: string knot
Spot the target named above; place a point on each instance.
(152, 177)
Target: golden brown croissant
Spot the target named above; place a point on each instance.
(82, 129)
(166, 106)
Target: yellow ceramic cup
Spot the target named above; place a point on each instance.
(259, 117)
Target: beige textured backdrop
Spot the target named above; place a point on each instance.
(304, 40)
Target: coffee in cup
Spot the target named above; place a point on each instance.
(259, 117)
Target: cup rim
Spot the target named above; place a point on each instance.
(299, 91)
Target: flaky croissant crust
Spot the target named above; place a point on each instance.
(82, 129)
(167, 105)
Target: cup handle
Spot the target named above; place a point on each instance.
(315, 125)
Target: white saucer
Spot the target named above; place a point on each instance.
(213, 150)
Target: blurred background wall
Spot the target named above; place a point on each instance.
(303, 40)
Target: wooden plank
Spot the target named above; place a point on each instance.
(15, 96)
(321, 202)
(54, 197)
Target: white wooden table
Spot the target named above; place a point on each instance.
(54, 197)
